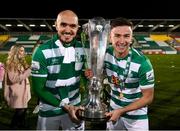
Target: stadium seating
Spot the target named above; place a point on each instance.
(27, 40)
(147, 43)
(155, 44)
(3, 39)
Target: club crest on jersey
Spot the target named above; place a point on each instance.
(115, 80)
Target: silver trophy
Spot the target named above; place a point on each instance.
(98, 32)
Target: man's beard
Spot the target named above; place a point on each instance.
(66, 40)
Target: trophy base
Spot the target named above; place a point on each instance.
(92, 116)
(93, 120)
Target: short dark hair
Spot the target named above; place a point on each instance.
(121, 22)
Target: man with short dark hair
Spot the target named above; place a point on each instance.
(131, 76)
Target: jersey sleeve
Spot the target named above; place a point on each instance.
(146, 74)
(39, 76)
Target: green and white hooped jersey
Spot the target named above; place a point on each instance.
(140, 76)
(49, 63)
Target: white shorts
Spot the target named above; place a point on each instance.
(129, 124)
(62, 122)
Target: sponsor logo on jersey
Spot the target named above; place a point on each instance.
(35, 65)
(54, 61)
(150, 75)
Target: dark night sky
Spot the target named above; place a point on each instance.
(91, 8)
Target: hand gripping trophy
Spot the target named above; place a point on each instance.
(98, 31)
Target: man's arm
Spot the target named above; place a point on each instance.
(39, 74)
(146, 99)
(38, 87)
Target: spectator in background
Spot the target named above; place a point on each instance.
(2, 71)
(132, 80)
(56, 69)
(17, 88)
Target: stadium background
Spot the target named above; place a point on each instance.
(156, 33)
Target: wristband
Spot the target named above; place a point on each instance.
(64, 102)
